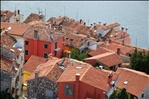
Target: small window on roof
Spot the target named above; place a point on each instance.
(71, 39)
(66, 38)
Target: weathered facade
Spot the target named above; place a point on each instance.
(45, 89)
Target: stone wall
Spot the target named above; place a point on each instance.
(45, 89)
(5, 80)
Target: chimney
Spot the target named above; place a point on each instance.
(36, 34)
(77, 77)
(118, 51)
(84, 23)
(80, 21)
(51, 34)
(126, 29)
(36, 83)
(104, 24)
(110, 77)
(18, 11)
(99, 23)
(88, 43)
(68, 54)
(107, 42)
(122, 28)
(94, 24)
(116, 33)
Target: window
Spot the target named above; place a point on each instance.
(68, 90)
(49, 93)
(55, 45)
(26, 42)
(45, 55)
(45, 46)
(26, 52)
(142, 95)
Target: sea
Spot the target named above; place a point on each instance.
(131, 14)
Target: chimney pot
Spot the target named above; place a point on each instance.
(126, 29)
(77, 77)
(118, 51)
(122, 28)
(110, 77)
(104, 24)
(84, 23)
(99, 23)
(18, 11)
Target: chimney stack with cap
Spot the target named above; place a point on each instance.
(126, 29)
(118, 51)
(18, 11)
(104, 24)
(110, 77)
(122, 28)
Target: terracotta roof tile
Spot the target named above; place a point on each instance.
(98, 51)
(33, 62)
(33, 17)
(110, 26)
(123, 49)
(6, 65)
(109, 59)
(16, 29)
(7, 13)
(43, 34)
(98, 78)
(137, 81)
(49, 69)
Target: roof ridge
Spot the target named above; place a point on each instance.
(85, 72)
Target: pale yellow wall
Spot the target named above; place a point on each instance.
(26, 75)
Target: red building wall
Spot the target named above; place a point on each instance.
(84, 91)
(36, 47)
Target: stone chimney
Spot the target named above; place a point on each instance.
(110, 77)
(6, 32)
(36, 34)
(36, 83)
(118, 51)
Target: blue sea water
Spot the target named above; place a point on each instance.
(131, 14)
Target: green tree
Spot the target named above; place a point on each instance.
(123, 94)
(78, 56)
(140, 61)
(113, 95)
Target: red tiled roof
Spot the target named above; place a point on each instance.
(89, 75)
(49, 69)
(137, 81)
(109, 59)
(77, 40)
(43, 34)
(33, 62)
(98, 51)
(6, 65)
(6, 13)
(110, 26)
(98, 78)
(123, 49)
(33, 17)
(16, 29)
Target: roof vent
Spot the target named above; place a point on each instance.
(9, 28)
(100, 67)
(125, 82)
(78, 67)
(112, 83)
